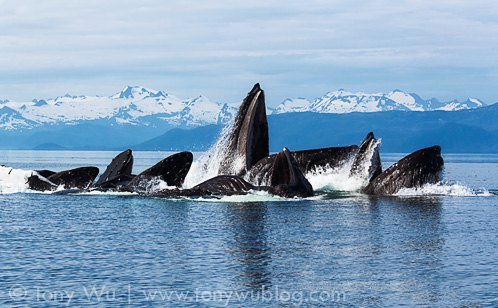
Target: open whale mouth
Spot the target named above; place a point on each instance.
(249, 139)
(421, 167)
(122, 164)
(283, 170)
(286, 178)
(255, 129)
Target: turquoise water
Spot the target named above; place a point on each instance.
(434, 248)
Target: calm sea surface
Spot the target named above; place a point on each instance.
(437, 248)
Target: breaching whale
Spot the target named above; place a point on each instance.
(415, 170)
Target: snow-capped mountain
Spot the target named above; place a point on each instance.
(343, 101)
(133, 105)
(144, 107)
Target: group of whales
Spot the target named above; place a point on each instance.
(246, 165)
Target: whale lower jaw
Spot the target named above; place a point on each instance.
(415, 170)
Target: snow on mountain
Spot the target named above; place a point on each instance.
(468, 104)
(142, 106)
(342, 101)
(11, 119)
(292, 105)
(133, 105)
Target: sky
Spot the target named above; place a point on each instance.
(444, 49)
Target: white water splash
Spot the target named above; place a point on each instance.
(13, 180)
(442, 189)
(154, 184)
(208, 164)
(364, 171)
(340, 178)
(251, 196)
(106, 193)
(330, 179)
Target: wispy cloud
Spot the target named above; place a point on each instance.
(219, 48)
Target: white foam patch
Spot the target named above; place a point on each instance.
(244, 198)
(340, 179)
(443, 189)
(327, 179)
(252, 196)
(156, 184)
(13, 180)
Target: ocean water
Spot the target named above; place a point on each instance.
(432, 247)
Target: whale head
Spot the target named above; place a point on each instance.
(287, 180)
(248, 141)
(414, 170)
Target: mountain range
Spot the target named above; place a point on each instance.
(139, 106)
(144, 119)
(343, 101)
(461, 131)
(135, 106)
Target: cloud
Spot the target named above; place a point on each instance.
(219, 48)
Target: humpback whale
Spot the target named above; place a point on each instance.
(248, 141)
(81, 177)
(172, 170)
(367, 156)
(286, 181)
(419, 168)
(118, 171)
(247, 146)
(306, 160)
